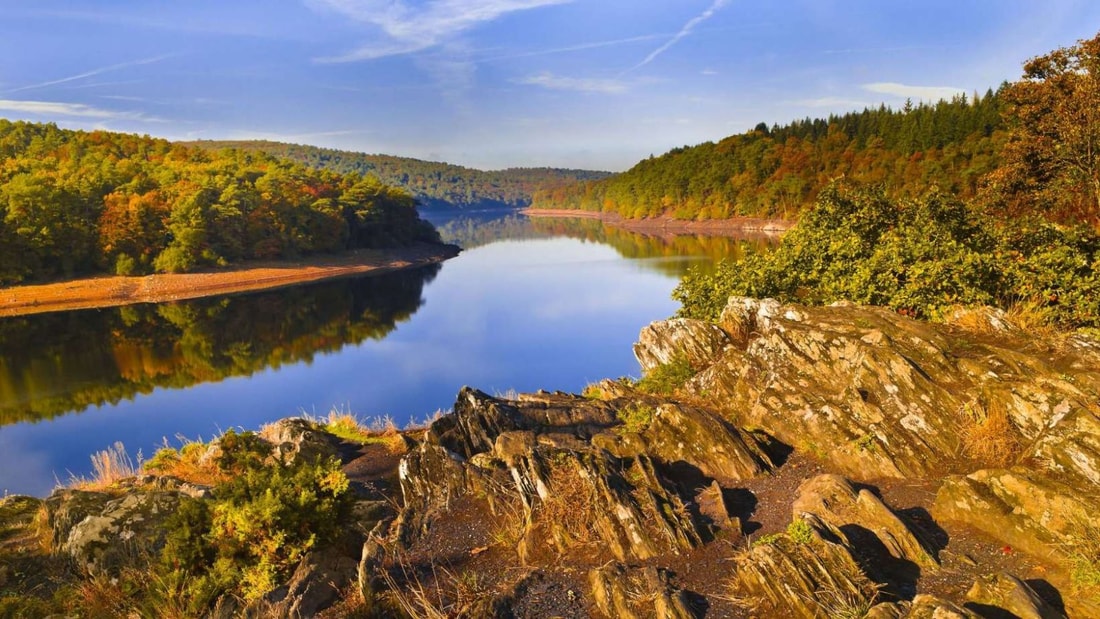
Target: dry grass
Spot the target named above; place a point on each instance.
(109, 467)
(988, 435)
(344, 424)
(1035, 320)
(572, 508)
(193, 462)
(1085, 559)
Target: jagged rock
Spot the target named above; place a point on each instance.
(316, 584)
(696, 341)
(712, 505)
(1025, 509)
(687, 434)
(814, 579)
(101, 532)
(1009, 594)
(1071, 447)
(875, 394)
(931, 607)
(298, 438)
(835, 501)
(623, 593)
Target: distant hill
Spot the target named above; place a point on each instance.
(436, 185)
(778, 171)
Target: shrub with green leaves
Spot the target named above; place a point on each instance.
(257, 527)
(921, 257)
(667, 378)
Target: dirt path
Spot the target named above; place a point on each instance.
(668, 225)
(112, 291)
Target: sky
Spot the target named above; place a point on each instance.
(596, 84)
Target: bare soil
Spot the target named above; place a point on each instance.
(95, 292)
(666, 225)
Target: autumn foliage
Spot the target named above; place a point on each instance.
(74, 203)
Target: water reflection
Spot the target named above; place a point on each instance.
(52, 364)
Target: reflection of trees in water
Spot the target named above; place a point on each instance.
(51, 364)
(468, 232)
(471, 232)
(708, 249)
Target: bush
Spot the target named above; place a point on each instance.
(921, 258)
(258, 526)
(667, 378)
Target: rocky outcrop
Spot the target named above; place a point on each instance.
(863, 519)
(101, 531)
(878, 395)
(813, 577)
(623, 593)
(299, 438)
(1008, 593)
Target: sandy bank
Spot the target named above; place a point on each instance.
(115, 290)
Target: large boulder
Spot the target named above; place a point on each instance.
(102, 532)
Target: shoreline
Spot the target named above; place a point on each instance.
(668, 225)
(115, 290)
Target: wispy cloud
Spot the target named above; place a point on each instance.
(91, 73)
(925, 93)
(708, 72)
(576, 48)
(76, 110)
(409, 29)
(687, 29)
(578, 84)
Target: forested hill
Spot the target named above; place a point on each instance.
(435, 185)
(777, 171)
(74, 202)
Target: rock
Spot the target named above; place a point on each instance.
(811, 579)
(102, 533)
(299, 438)
(835, 501)
(692, 435)
(875, 394)
(930, 607)
(696, 341)
(316, 584)
(1023, 508)
(1009, 594)
(623, 593)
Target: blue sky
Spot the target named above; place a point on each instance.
(499, 83)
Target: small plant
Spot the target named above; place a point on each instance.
(635, 417)
(1085, 558)
(193, 462)
(668, 378)
(109, 467)
(866, 442)
(770, 538)
(988, 434)
(800, 531)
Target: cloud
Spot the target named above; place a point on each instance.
(708, 72)
(408, 29)
(577, 48)
(54, 108)
(924, 93)
(579, 84)
(688, 28)
(91, 73)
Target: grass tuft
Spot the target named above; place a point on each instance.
(668, 378)
(988, 435)
(109, 467)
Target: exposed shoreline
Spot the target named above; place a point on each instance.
(668, 225)
(112, 291)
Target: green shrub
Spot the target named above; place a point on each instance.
(635, 417)
(920, 257)
(258, 526)
(667, 378)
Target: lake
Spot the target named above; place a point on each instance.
(544, 304)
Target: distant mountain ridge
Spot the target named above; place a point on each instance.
(436, 185)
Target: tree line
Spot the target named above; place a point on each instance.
(434, 184)
(777, 171)
(75, 203)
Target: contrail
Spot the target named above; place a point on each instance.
(685, 31)
(93, 72)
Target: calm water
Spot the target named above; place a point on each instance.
(528, 305)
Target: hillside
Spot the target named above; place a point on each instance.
(436, 185)
(76, 203)
(777, 171)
